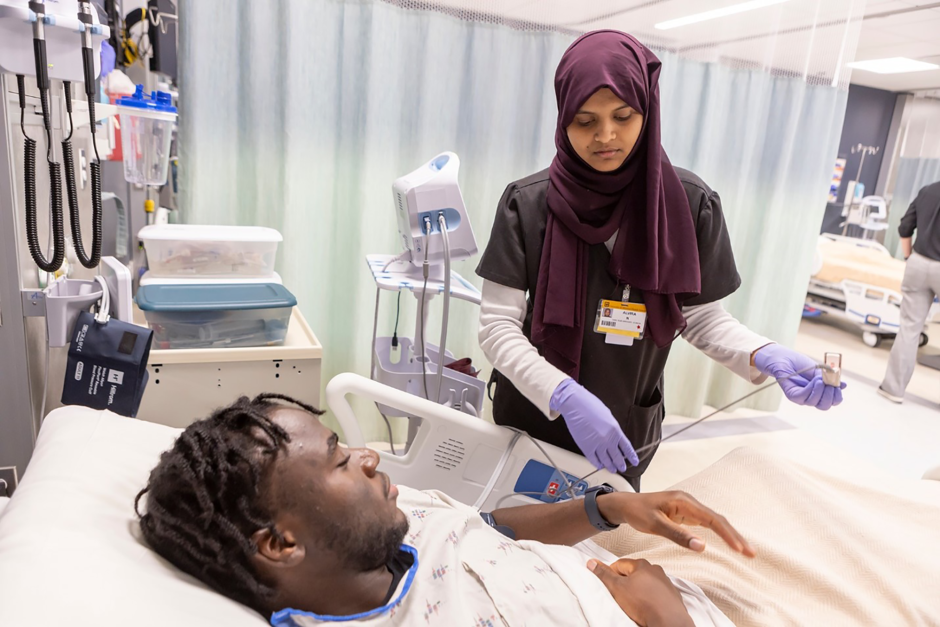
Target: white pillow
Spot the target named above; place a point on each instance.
(71, 551)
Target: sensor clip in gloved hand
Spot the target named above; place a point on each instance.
(802, 383)
(593, 427)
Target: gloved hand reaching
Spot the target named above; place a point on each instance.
(806, 388)
(593, 427)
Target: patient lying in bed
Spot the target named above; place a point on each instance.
(261, 503)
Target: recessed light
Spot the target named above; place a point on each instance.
(716, 13)
(893, 65)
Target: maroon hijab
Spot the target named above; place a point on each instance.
(656, 249)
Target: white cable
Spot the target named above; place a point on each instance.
(424, 298)
(375, 330)
(104, 311)
(442, 222)
(651, 445)
(503, 498)
(569, 487)
(498, 472)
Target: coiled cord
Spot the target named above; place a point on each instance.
(89, 261)
(46, 122)
(94, 122)
(55, 184)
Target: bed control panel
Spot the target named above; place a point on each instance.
(544, 483)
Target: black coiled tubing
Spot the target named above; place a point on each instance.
(55, 191)
(89, 261)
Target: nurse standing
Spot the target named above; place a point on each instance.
(613, 225)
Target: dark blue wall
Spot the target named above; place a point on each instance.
(868, 115)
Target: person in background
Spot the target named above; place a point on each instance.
(920, 287)
(612, 223)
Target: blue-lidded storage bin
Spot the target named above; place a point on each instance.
(216, 315)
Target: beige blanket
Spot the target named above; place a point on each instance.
(830, 552)
(845, 260)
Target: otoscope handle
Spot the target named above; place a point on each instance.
(88, 64)
(21, 87)
(42, 66)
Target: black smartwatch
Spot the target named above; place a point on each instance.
(590, 506)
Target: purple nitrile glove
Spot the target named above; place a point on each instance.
(806, 388)
(593, 427)
(108, 58)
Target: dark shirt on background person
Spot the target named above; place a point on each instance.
(924, 216)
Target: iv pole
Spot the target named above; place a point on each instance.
(850, 202)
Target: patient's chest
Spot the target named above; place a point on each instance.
(470, 574)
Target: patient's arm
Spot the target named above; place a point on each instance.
(657, 513)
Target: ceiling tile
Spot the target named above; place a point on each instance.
(911, 50)
(883, 6)
(899, 23)
(875, 38)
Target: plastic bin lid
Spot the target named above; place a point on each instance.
(159, 101)
(153, 279)
(214, 297)
(208, 233)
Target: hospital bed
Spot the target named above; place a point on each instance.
(71, 552)
(860, 281)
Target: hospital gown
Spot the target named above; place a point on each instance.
(468, 574)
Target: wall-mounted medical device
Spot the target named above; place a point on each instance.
(420, 198)
(62, 31)
(43, 40)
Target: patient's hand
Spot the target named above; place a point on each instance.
(665, 513)
(643, 592)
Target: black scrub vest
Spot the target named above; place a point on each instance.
(628, 379)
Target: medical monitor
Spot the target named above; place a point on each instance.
(420, 198)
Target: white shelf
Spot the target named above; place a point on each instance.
(402, 275)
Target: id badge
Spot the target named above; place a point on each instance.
(620, 321)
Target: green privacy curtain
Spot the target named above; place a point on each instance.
(301, 115)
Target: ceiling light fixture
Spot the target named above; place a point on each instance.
(893, 65)
(716, 13)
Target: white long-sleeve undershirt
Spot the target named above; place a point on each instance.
(710, 329)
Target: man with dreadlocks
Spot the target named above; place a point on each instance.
(262, 503)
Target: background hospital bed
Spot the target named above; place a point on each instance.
(70, 547)
(861, 281)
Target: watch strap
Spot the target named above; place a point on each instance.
(593, 513)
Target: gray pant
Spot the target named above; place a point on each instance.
(920, 287)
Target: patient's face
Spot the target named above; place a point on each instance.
(334, 497)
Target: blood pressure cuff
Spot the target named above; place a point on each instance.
(107, 365)
(488, 518)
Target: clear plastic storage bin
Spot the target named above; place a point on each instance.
(146, 132)
(216, 315)
(191, 250)
(147, 279)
